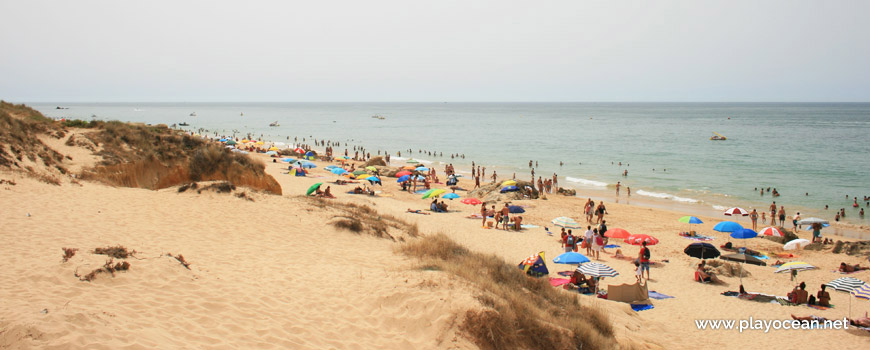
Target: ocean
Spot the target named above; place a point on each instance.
(814, 154)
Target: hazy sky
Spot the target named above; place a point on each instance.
(406, 50)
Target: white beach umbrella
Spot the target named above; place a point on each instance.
(795, 265)
(795, 244)
(771, 231)
(736, 212)
(810, 221)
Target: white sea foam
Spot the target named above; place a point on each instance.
(586, 182)
(719, 207)
(666, 196)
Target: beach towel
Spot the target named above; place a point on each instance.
(760, 257)
(844, 273)
(612, 246)
(699, 237)
(641, 307)
(659, 296)
(555, 282)
(784, 255)
(525, 226)
(819, 307)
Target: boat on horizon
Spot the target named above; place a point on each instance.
(379, 117)
(275, 123)
(193, 114)
(183, 124)
(718, 137)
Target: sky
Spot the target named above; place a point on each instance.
(433, 51)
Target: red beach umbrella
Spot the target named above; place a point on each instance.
(299, 150)
(403, 173)
(736, 212)
(471, 201)
(639, 239)
(617, 233)
(771, 231)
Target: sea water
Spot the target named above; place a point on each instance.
(814, 154)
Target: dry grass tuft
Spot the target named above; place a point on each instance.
(68, 253)
(220, 187)
(108, 267)
(117, 252)
(244, 195)
(361, 218)
(7, 182)
(518, 311)
(180, 259)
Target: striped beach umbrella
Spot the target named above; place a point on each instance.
(845, 284)
(640, 239)
(862, 292)
(690, 220)
(771, 231)
(597, 270)
(810, 221)
(795, 265)
(736, 212)
(566, 222)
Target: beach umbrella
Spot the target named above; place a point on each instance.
(743, 259)
(509, 189)
(471, 201)
(450, 196)
(422, 168)
(409, 167)
(362, 176)
(299, 150)
(862, 292)
(338, 171)
(566, 222)
(261, 143)
(288, 160)
(597, 270)
(702, 250)
(810, 221)
(403, 178)
(736, 212)
(516, 209)
(810, 227)
(744, 233)
(313, 188)
(727, 226)
(640, 238)
(571, 258)
(222, 140)
(412, 161)
(690, 220)
(845, 284)
(273, 148)
(271, 153)
(771, 231)
(245, 141)
(795, 265)
(373, 178)
(433, 193)
(308, 165)
(509, 183)
(403, 173)
(617, 233)
(795, 244)
(231, 142)
(371, 168)
(359, 172)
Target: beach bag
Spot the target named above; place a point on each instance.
(646, 253)
(599, 241)
(569, 241)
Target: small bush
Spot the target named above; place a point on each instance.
(181, 260)
(68, 253)
(352, 225)
(117, 252)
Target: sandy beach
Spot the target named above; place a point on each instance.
(272, 271)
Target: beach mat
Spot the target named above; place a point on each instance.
(565, 273)
(612, 246)
(555, 282)
(819, 307)
(641, 307)
(659, 296)
(701, 238)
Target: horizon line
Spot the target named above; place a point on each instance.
(519, 102)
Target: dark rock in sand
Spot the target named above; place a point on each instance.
(375, 161)
(490, 192)
(566, 192)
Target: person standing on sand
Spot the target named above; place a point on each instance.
(483, 213)
(794, 221)
(505, 214)
(617, 188)
(781, 216)
(644, 256)
(477, 182)
(587, 239)
(555, 181)
(494, 176)
(540, 185)
(601, 211)
(629, 191)
(754, 217)
(773, 214)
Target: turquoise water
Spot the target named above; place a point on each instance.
(798, 148)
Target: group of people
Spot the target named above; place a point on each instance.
(799, 295)
(502, 216)
(590, 211)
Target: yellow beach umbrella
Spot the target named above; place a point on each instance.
(259, 142)
(273, 148)
(509, 183)
(245, 141)
(362, 176)
(437, 192)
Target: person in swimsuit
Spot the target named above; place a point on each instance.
(754, 217)
(505, 215)
(781, 216)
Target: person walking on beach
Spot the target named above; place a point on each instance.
(587, 241)
(555, 181)
(601, 211)
(754, 217)
(617, 188)
(794, 221)
(643, 256)
(483, 213)
(590, 210)
(477, 182)
(773, 214)
(540, 185)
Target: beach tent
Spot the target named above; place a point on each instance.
(629, 293)
(297, 172)
(535, 265)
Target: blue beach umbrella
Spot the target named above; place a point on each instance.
(744, 233)
(223, 140)
(727, 226)
(509, 189)
(571, 258)
(270, 153)
(422, 168)
(450, 196)
(810, 227)
(308, 164)
(403, 178)
(516, 209)
(338, 171)
(288, 160)
(373, 178)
